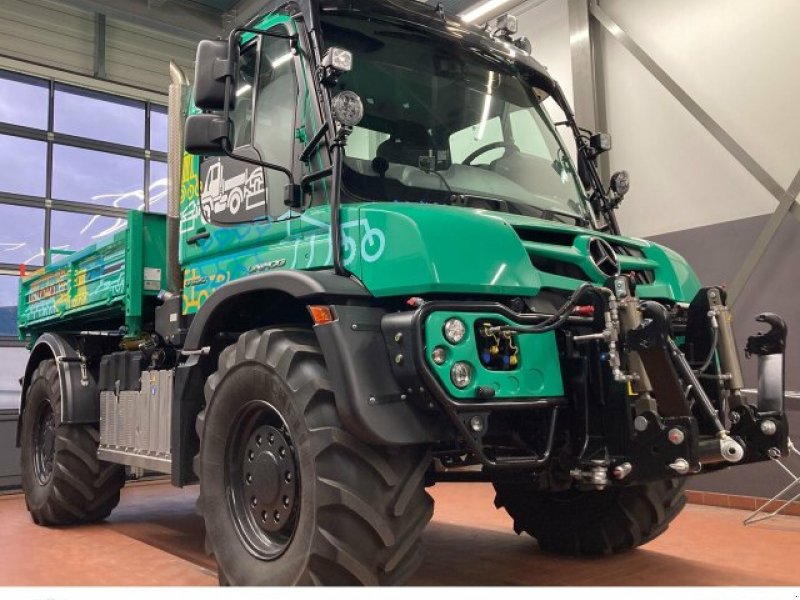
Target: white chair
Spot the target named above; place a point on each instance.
(760, 514)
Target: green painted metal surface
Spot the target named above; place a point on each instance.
(107, 285)
(538, 373)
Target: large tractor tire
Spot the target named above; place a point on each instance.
(288, 496)
(63, 480)
(592, 523)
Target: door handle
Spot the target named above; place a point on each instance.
(202, 234)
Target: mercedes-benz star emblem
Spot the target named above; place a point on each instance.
(604, 257)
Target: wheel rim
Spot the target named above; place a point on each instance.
(44, 443)
(262, 479)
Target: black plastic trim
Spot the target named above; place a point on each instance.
(299, 284)
(369, 399)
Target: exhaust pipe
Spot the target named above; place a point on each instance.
(177, 93)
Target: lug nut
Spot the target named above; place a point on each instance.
(768, 427)
(676, 436)
(680, 466)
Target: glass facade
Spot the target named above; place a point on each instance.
(74, 161)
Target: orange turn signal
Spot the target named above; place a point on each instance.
(321, 315)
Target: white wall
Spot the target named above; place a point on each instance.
(739, 60)
(546, 24)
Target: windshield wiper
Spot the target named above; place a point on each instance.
(547, 213)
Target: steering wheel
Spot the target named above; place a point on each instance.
(487, 148)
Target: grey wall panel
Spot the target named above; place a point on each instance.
(139, 56)
(47, 32)
(12, 367)
(9, 453)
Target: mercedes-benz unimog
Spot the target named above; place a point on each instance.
(381, 269)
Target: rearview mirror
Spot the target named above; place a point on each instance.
(207, 134)
(215, 70)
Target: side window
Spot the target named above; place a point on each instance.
(363, 143)
(277, 101)
(465, 142)
(242, 115)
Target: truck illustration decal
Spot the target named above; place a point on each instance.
(226, 192)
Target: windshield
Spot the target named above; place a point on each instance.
(448, 125)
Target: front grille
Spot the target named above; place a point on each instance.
(563, 268)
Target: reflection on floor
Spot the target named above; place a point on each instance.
(155, 538)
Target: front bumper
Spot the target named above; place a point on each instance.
(598, 428)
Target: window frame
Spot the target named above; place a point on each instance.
(53, 138)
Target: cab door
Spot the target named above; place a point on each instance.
(240, 223)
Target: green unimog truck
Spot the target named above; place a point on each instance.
(381, 269)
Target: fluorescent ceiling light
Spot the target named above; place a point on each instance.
(481, 10)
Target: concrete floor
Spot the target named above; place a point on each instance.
(155, 538)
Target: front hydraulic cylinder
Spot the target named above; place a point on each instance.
(728, 358)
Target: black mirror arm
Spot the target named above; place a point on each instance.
(585, 154)
(312, 144)
(258, 163)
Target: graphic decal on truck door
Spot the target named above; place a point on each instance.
(232, 191)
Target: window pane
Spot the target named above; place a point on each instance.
(21, 235)
(242, 115)
(12, 366)
(24, 166)
(97, 177)
(276, 109)
(158, 187)
(158, 128)
(92, 115)
(23, 100)
(8, 305)
(75, 231)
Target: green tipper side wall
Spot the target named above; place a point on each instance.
(107, 285)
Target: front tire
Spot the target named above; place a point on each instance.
(348, 514)
(63, 480)
(593, 523)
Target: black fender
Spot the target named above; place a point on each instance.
(80, 398)
(300, 285)
(357, 361)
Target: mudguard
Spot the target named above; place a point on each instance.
(80, 398)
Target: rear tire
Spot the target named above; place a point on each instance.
(593, 523)
(351, 514)
(63, 480)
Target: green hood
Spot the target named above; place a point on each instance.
(415, 249)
